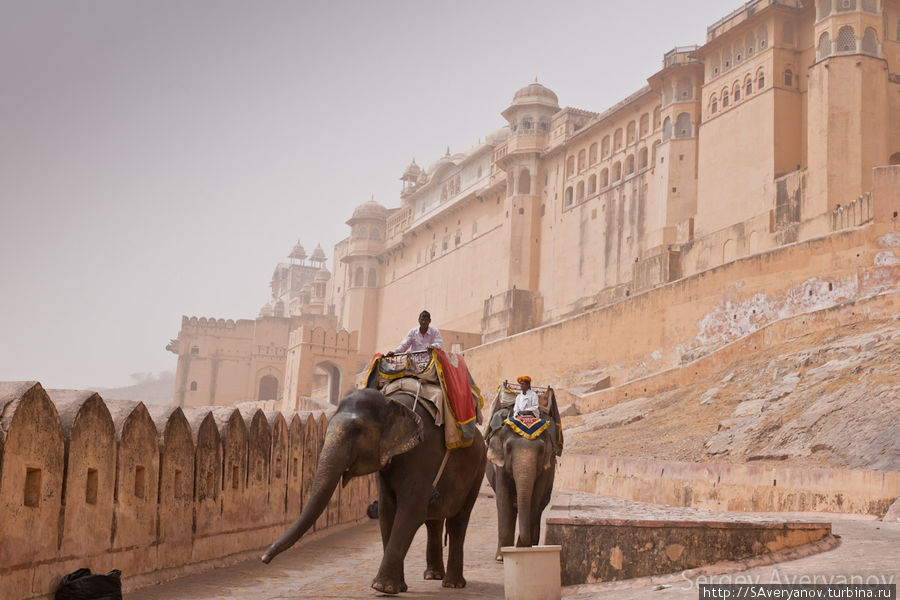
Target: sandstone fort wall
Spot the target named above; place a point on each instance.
(157, 493)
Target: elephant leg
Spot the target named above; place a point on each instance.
(434, 553)
(505, 494)
(387, 509)
(409, 516)
(456, 530)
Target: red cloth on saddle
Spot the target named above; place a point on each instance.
(456, 380)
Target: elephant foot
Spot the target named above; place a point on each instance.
(454, 582)
(499, 557)
(388, 586)
(431, 573)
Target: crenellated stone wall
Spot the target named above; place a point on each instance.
(155, 491)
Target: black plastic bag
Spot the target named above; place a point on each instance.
(83, 585)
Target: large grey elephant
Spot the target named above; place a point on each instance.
(370, 433)
(521, 472)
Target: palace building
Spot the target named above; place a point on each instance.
(766, 135)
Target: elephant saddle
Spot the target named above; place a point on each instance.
(528, 427)
(442, 381)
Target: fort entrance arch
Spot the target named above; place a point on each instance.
(319, 350)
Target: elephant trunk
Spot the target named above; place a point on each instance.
(524, 473)
(328, 473)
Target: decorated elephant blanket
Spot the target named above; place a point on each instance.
(502, 408)
(439, 378)
(528, 427)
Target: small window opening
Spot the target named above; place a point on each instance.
(140, 481)
(33, 488)
(90, 487)
(235, 477)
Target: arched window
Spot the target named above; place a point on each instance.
(870, 42)
(372, 280)
(569, 196)
(788, 78)
(751, 44)
(579, 191)
(725, 98)
(629, 164)
(592, 185)
(657, 121)
(604, 147)
(763, 35)
(193, 386)
(846, 42)
(824, 49)
(362, 233)
(433, 251)
(457, 240)
(642, 159)
(726, 58)
(617, 140)
(667, 129)
(582, 162)
(760, 80)
(544, 124)
(524, 181)
(604, 178)
(714, 104)
(645, 125)
(715, 65)
(632, 133)
(268, 388)
(748, 86)
(787, 33)
(570, 166)
(592, 154)
(683, 125)
(824, 8)
(445, 244)
(527, 124)
(358, 277)
(846, 5)
(374, 234)
(736, 91)
(617, 171)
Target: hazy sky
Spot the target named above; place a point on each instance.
(159, 158)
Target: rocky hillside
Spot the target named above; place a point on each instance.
(825, 399)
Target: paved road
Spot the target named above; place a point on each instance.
(342, 565)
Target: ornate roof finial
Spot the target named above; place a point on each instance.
(448, 151)
(535, 79)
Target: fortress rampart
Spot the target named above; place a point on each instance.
(155, 491)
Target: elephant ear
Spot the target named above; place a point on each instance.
(402, 432)
(495, 451)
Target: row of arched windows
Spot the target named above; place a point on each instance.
(733, 54)
(527, 125)
(683, 127)
(361, 232)
(361, 280)
(596, 182)
(733, 94)
(826, 7)
(847, 43)
(682, 92)
(621, 138)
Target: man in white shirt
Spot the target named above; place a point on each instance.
(423, 337)
(527, 403)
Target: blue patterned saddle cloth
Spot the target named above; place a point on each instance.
(528, 427)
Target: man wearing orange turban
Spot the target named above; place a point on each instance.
(527, 400)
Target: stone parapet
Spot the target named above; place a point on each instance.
(731, 487)
(157, 492)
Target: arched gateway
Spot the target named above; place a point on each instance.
(319, 351)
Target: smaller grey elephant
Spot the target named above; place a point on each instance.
(521, 472)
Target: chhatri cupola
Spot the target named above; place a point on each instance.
(531, 109)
